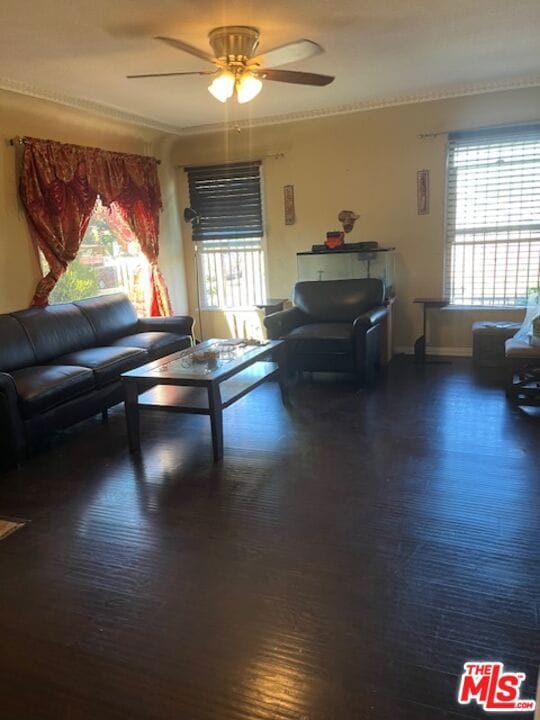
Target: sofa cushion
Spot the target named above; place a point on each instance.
(45, 386)
(338, 300)
(111, 316)
(156, 344)
(55, 330)
(15, 348)
(318, 338)
(107, 363)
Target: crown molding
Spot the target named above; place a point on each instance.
(108, 111)
(115, 113)
(453, 91)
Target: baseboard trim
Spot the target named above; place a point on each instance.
(446, 351)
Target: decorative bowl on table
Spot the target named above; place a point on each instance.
(209, 356)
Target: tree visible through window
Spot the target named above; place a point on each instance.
(109, 260)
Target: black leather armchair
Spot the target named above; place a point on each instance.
(335, 325)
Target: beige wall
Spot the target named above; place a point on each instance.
(366, 162)
(22, 115)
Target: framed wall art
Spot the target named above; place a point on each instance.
(422, 192)
(288, 204)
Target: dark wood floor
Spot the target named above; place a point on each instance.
(343, 562)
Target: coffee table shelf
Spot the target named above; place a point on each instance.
(195, 399)
(177, 383)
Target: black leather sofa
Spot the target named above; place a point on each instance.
(335, 325)
(62, 363)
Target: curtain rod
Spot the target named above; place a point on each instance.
(22, 140)
(270, 156)
(424, 136)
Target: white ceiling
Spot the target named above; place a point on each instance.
(377, 49)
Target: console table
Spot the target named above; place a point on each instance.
(420, 344)
(271, 305)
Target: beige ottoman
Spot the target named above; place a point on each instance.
(488, 342)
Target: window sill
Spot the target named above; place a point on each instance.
(486, 308)
(247, 308)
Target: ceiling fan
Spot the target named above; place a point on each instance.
(238, 70)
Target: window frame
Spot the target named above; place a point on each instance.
(199, 246)
(449, 219)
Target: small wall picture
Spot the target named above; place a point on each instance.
(288, 204)
(422, 192)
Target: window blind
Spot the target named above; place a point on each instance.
(228, 200)
(493, 216)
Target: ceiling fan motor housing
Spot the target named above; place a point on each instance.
(234, 43)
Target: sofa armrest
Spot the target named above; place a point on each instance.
(11, 424)
(371, 317)
(281, 323)
(180, 324)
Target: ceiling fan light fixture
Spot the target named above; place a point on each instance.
(247, 87)
(237, 70)
(222, 87)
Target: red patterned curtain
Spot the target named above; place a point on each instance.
(59, 187)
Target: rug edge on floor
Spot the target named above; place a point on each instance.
(7, 527)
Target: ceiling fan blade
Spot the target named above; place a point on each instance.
(291, 52)
(179, 45)
(291, 76)
(173, 74)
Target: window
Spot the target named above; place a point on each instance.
(109, 260)
(493, 216)
(229, 234)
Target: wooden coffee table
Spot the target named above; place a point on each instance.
(177, 383)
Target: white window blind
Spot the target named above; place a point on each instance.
(493, 216)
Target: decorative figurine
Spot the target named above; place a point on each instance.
(347, 218)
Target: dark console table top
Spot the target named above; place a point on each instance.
(345, 249)
(271, 305)
(432, 302)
